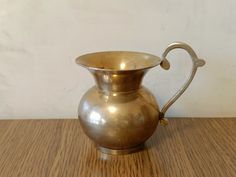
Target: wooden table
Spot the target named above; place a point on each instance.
(185, 148)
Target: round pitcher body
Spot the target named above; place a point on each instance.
(118, 120)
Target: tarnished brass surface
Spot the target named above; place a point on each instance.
(118, 120)
(119, 114)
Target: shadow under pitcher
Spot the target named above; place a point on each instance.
(119, 114)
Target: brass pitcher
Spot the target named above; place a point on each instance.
(119, 114)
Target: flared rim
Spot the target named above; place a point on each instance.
(118, 61)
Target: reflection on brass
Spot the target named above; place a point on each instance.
(119, 114)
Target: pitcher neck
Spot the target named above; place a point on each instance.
(118, 81)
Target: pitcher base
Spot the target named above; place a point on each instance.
(120, 151)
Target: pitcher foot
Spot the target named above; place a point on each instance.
(120, 151)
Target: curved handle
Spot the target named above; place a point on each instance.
(196, 62)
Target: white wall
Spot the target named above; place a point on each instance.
(39, 41)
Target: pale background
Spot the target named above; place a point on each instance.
(39, 41)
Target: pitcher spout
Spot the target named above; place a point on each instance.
(118, 71)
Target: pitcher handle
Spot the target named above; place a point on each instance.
(196, 62)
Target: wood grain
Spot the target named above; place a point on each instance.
(58, 148)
